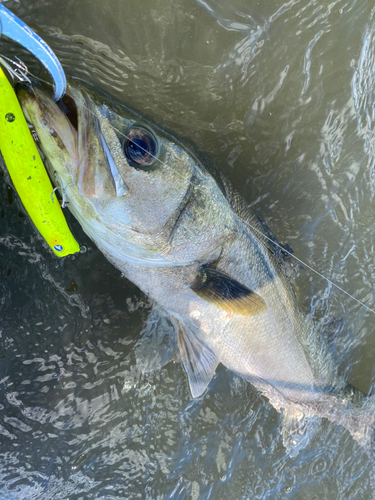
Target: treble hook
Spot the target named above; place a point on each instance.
(15, 29)
(17, 69)
(63, 192)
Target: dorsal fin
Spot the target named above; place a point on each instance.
(289, 266)
(221, 290)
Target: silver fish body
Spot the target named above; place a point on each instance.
(176, 228)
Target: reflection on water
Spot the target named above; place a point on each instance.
(281, 95)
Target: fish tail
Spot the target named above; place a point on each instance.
(362, 428)
(358, 417)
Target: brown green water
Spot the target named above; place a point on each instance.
(282, 97)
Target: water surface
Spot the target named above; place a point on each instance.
(282, 97)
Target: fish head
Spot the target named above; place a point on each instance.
(137, 192)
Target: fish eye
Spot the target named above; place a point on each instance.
(141, 147)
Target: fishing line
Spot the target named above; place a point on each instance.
(250, 226)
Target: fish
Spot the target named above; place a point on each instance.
(164, 215)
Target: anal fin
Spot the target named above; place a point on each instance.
(158, 344)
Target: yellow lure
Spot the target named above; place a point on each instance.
(28, 174)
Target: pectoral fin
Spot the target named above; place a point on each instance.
(199, 361)
(219, 289)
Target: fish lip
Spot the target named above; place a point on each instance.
(56, 136)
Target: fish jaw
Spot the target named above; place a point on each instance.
(75, 154)
(46, 118)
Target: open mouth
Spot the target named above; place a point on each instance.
(54, 127)
(72, 140)
(66, 104)
(69, 108)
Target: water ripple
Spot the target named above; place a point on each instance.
(89, 411)
(363, 88)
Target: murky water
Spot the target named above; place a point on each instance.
(282, 96)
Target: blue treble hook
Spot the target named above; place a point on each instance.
(12, 27)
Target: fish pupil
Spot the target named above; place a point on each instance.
(140, 147)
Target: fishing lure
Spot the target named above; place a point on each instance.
(28, 174)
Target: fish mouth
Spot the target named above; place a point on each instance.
(68, 106)
(56, 135)
(70, 138)
(66, 103)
